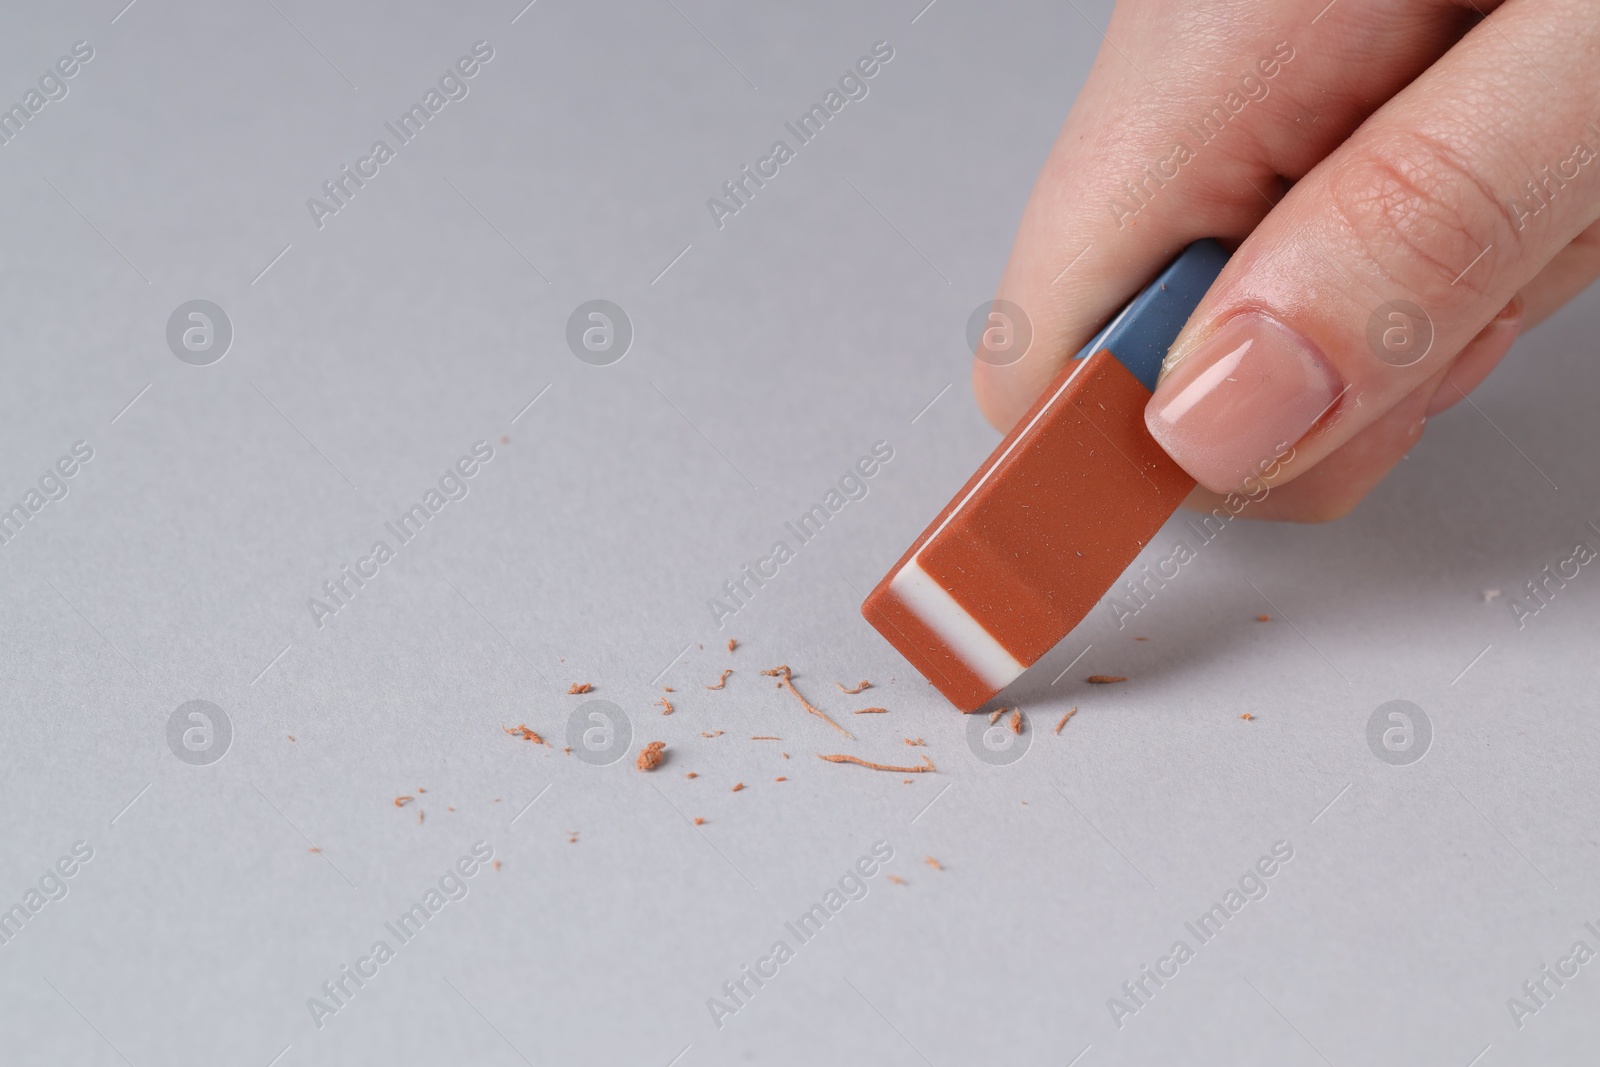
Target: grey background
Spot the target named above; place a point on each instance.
(773, 353)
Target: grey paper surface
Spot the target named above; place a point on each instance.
(369, 354)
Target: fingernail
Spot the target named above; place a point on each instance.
(1230, 404)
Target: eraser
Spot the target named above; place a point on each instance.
(1055, 515)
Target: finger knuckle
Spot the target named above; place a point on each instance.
(1421, 215)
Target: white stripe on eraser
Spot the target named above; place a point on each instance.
(962, 634)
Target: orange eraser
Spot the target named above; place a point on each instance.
(1054, 516)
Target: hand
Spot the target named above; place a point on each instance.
(1409, 184)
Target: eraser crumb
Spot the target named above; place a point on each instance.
(785, 680)
(650, 756)
(927, 764)
(521, 730)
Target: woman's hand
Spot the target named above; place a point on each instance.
(1410, 184)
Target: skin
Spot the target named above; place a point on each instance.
(1387, 160)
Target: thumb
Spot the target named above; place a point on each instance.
(1377, 269)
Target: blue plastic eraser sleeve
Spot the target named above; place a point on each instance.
(1144, 330)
